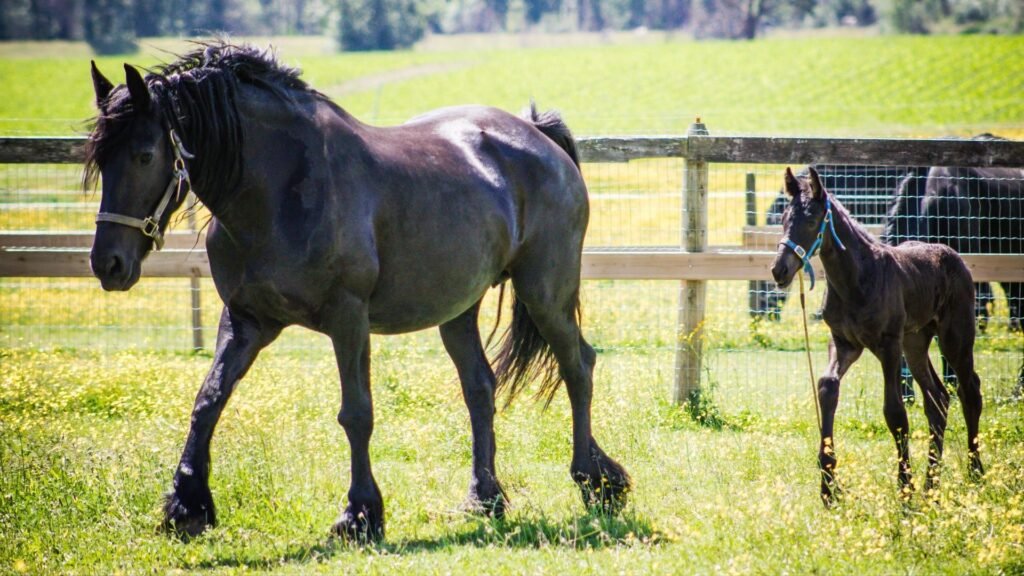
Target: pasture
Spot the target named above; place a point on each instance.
(96, 389)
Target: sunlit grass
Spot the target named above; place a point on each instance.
(861, 86)
(90, 440)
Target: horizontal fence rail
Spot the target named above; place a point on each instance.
(691, 260)
(65, 254)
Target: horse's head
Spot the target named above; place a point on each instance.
(131, 148)
(802, 225)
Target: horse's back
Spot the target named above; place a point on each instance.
(934, 280)
(458, 192)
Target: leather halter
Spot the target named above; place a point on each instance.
(806, 255)
(180, 180)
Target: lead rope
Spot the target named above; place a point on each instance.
(807, 348)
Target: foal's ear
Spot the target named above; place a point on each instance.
(792, 185)
(137, 88)
(101, 85)
(817, 190)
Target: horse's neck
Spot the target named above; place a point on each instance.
(845, 268)
(279, 140)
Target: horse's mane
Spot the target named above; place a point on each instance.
(855, 226)
(197, 94)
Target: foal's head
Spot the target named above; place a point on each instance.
(130, 147)
(803, 227)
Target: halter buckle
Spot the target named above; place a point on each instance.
(150, 227)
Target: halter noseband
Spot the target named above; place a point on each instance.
(180, 180)
(806, 255)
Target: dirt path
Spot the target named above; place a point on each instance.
(375, 81)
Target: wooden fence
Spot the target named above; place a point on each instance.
(693, 262)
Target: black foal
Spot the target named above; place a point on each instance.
(890, 300)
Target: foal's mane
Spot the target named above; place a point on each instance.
(196, 95)
(856, 228)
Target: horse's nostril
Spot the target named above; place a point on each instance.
(114, 266)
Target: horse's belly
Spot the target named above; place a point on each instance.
(407, 303)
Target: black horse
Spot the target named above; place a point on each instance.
(972, 210)
(347, 229)
(892, 301)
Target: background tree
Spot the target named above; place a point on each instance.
(110, 27)
(379, 24)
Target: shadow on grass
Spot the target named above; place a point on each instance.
(589, 531)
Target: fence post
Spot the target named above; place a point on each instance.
(194, 287)
(690, 337)
(751, 199)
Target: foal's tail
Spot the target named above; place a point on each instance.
(550, 123)
(524, 355)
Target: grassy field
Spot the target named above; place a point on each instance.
(90, 441)
(839, 86)
(95, 390)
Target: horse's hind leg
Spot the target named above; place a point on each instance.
(551, 294)
(935, 397)
(461, 338)
(888, 353)
(188, 509)
(956, 341)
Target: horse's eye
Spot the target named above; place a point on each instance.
(145, 158)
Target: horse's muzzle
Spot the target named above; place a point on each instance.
(784, 268)
(115, 272)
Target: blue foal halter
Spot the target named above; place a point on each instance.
(806, 255)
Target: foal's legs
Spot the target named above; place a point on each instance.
(461, 338)
(551, 300)
(935, 397)
(888, 353)
(189, 507)
(841, 355)
(363, 518)
(956, 341)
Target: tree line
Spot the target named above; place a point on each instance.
(112, 26)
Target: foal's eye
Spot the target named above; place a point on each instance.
(145, 158)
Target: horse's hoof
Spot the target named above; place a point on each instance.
(360, 527)
(830, 493)
(606, 486)
(187, 521)
(975, 470)
(492, 506)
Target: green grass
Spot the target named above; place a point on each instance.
(90, 440)
(838, 86)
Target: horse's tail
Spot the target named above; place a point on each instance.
(524, 355)
(550, 123)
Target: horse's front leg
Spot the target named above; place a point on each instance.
(841, 355)
(188, 509)
(889, 352)
(363, 517)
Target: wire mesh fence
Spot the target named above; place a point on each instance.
(753, 360)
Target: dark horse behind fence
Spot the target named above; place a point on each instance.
(325, 222)
(973, 210)
(889, 300)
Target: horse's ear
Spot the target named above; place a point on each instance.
(101, 85)
(137, 88)
(792, 186)
(817, 190)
